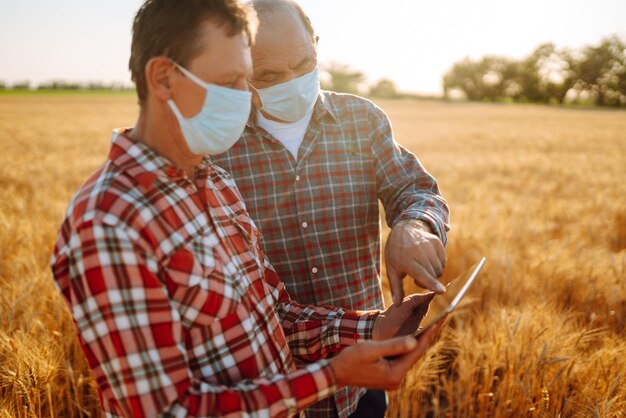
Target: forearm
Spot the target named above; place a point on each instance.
(162, 382)
(314, 333)
(409, 192)
(279, 396)
(406, 189)
(317, 332)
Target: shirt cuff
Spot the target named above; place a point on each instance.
(436, 224)
(357, 326)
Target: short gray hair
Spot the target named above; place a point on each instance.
(263, 7)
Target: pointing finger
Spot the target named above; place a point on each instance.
(395, 283)
(425, 279)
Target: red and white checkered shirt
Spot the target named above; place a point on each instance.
(177, 310)
(319, 215)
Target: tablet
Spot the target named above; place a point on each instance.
(445, 303)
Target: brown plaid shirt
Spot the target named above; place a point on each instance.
(319, 215)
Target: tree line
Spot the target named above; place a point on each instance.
(592, 74)
(344, 79)
(341, 78)
(65, 85)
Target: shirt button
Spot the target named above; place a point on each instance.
(297, 178)
(314, 270)
(305, 225)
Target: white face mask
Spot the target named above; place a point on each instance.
(292, 100)
(220, 122)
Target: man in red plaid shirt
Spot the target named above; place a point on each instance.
(177, 309)
(311, 166)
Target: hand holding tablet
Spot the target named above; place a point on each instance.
(445, 303)
(434, 308)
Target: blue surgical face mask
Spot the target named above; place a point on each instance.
(292, 100)
(220, 122)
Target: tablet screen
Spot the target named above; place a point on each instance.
(445, 303)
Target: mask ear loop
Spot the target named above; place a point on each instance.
(257, 95)
(190, 75)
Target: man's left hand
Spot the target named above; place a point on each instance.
(413, 249)
(404, 319)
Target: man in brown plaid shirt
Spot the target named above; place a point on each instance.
(311, 166)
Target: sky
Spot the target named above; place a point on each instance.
(412, 42)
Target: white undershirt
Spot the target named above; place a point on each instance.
(290, 135)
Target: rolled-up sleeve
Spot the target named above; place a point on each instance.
(318, 332)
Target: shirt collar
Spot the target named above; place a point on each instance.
(324, 108)
(136, 157)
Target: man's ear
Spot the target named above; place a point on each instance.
(159, 72)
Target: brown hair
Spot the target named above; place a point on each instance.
(171, 28)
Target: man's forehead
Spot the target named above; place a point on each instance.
(280, 33)
(275, 53)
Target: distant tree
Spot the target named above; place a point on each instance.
(343, 79)
(465, 76)
(566, 71)
(21, 85)
(96, 85)
(384, 88)
(123, 87)
(621, 82)
(498, 77)
(528, 75)
(3, 85)
(59, 85)
(547, 75)
(615, 79)
(620, 73)
(601, 71)
(491, 78)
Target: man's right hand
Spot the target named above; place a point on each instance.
(381, 364)
(412, 248)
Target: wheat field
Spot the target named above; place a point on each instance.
(540, 191)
